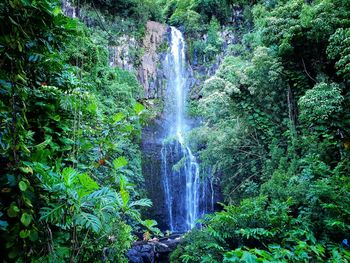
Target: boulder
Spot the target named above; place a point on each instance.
(153, 250)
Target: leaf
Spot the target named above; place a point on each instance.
(42, 145)
(149, 223)
(52, 214)
(24, 233)
(104, 191)
(248, 257)
(24, 148)
(70, 176)
(88, 221)
(125, 197)
(56, 11)
(128, 128)
(142, 202)
(13, 210)
(26, 170)
(26, 219)
(13, 253)
(3, 225)
(88, 185)
(119, 162)
(233, 256)
(11, 179)
(22, 186)
(138, 107)
(13, 21)
(118, 117)
(27, 201)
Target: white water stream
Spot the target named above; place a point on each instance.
(182, 206)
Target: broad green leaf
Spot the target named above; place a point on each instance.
(13, 210)
(138, 107)
(70, 176)
(233, 256)
(24, 233)
(26, 219)
(248, 257)
(118, 117)
(142, 202)
(22, 186)
(88, 185)
(119, 162)
(125, 197)
(52, 214)
(149, 223)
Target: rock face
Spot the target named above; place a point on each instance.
(125, 54)
(152, 251)
(149, 71)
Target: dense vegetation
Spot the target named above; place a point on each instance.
(275, 130)
(70, 129)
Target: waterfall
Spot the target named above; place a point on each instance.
(69, 10)
(185, 194)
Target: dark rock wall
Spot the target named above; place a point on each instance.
(151, 168)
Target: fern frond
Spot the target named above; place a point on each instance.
(141, 202)
(70, 176)
(88, 221)
(53, 214)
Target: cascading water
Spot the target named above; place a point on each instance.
(185, 194)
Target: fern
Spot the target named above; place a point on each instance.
(87, 185)
(101, 193)
(119, 163)
(53, 214)
(70, 176)
(141, 202)
(88, 221)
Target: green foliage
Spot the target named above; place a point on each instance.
(212, 8)
(206, 50)
(275, 120)
(274, 131)
(151, 226)
(138, 10)
(320, 103)
(189, 13)
(69, 123)
(339, 49)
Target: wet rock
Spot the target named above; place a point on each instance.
(153, 251)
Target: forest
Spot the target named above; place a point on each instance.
(258, 126)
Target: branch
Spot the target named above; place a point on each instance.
(307, 72)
